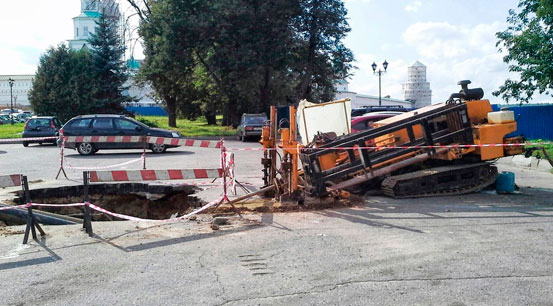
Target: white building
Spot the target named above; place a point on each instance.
(20, 90)
(85, 24)
(417, 89)
(360, 100)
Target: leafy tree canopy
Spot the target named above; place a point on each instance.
(528, 42)
(240, 56)
(63, 86)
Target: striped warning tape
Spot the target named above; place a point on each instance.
(410, 147)
(121, 216)
(12, 207)
(131, 218)
(149, 139)
(79, 139)
(153, 175)
(11, 140)
(69, 166)
(10, 180)
(185, 142)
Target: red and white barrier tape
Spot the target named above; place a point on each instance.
(103, 167)
(10, 180)
(7, 207)
(131, 218)
(149, 139)
(54, 205)
(121, 216)
(9, 140)
(454, 146)
(153, 175)
(185, 142)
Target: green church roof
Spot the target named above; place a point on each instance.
(92, 14)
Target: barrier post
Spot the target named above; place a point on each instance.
(31, 220)
(224, 167)
(61, 160)
(144, 142)
(87, 224)
(225, 173)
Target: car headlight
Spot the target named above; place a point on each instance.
(175, 135)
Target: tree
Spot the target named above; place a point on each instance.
(240, 56)
(108, 67)
(63, 86)
(322, 57)
(528, 42)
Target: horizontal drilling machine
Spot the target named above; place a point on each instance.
(415, 154)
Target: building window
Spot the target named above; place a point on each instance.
(77, 32)
(85, 30)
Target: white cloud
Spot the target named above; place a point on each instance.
(366, 82)
(450, 52)
(441, 39)
(413, 6)
(458, 52)
(30, 27)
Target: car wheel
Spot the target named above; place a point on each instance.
(158, 148)
(86, 148)
(25, 144)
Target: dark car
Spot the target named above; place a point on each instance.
(44, 126)
(112, 125)
(250, 125)
(364, 122)
(4, 119)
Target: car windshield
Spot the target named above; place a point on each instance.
(254, 120)
(34, 123)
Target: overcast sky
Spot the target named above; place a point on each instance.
(455, 39)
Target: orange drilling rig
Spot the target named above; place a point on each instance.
(415, 154)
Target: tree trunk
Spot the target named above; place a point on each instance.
(171, 111)
(211, 118)
(265, 90)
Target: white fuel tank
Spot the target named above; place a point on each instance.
(504, 116)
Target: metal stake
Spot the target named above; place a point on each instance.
(31, 220)
(87, 224)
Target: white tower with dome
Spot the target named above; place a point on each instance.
(85, 24)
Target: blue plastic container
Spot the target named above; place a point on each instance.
(505, 182)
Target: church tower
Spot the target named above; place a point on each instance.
(417, 89)
(85, 24)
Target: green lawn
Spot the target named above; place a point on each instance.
(197, 127)
(548, 149)
(11, 131)
(185, 127)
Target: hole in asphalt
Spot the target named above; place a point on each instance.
(148, 201)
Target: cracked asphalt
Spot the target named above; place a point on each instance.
(476, 249)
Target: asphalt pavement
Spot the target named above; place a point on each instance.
(475, 249)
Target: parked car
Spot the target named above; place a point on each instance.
(112, 125)
(364, 122)
(21, 117)
(43, 126)
(250, 125)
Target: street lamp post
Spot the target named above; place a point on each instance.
(380, 72)
(10, 82)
